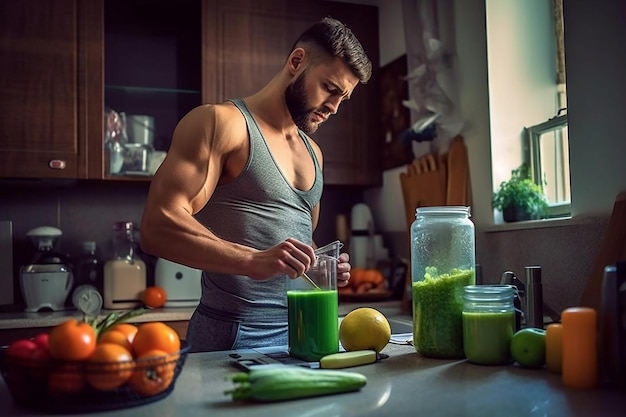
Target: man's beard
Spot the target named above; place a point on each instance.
(298, 106)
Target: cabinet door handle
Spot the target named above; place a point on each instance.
(57, 164)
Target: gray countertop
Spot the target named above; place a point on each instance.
(19, 320)
(52, 318)
(405, 384)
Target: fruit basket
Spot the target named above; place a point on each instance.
(55, 386)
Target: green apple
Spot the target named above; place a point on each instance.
(528, 347)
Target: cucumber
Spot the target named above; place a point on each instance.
(292, 382)
(348, 359)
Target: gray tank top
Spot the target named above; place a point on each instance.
(260, 209)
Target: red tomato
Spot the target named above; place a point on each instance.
(154, 297)
(41, 340)
(72, 340)
(30, 357)
(23, 349)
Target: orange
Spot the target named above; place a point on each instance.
(130, 330)
(155, 335)
(67, 378)
(109, 367)
(154, 372)
(117, 337)
(356, 277)
(72, 340)
(154, 297)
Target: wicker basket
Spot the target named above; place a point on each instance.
(54, 386)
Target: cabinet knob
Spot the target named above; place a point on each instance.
(57, 164)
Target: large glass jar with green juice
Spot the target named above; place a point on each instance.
(442, 264)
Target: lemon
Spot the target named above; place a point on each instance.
(364, 328)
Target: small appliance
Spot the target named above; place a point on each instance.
(46, 282)
(181, 283)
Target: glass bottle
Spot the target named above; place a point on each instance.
(488, 323)
(125, 275)
(442, 263)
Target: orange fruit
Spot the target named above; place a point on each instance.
(155, 335)
(154, 297)
(130, 330)
(72, 340)
(67, 378)
(109, 367)
(154, 372)
(117, 337)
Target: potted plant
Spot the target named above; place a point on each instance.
(520, 198)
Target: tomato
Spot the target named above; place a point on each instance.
(109, 367)
(29, 358)
(154, 297)
(130, 330)
(23, 349)
(155, 335)
(42, 340)
(153, 373)
(117, 337)
(67, 378)
(72, 340)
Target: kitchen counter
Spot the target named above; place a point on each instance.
(52, 318)
(21, 320)
(405, 384)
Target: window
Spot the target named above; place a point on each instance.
(547, 152)
(547, 148)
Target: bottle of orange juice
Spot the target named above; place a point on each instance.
(125, 274)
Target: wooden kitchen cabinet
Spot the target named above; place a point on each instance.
(49, 86)
(63, 62)
(246, 42)
(152, 62)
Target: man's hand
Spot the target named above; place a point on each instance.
(343, 270)
(290, 257)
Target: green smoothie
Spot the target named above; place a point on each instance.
(487, 337)
(437, 313)
(313, 323)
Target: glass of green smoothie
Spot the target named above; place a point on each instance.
(313, 316)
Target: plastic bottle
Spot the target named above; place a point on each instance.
(125, 275)
(442, 263)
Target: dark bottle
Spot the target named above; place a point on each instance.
(89, 269)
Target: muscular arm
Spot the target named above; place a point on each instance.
(202, 143)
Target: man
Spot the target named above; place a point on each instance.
(238, 194)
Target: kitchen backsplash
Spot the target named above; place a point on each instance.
(86, 210)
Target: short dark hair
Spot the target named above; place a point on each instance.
(337, 40)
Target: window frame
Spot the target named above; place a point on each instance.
(533, 157)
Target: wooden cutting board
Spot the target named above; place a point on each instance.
(423, 185)
(458, 181)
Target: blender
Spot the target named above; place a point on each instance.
(46, 282)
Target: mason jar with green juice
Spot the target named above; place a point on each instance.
(442, 264)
